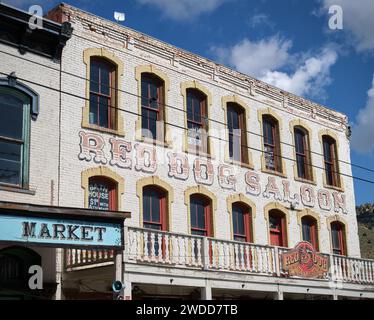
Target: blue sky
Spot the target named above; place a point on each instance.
(284, 42)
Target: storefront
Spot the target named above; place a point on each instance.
(30, 236)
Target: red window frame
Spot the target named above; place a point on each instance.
(96, 95)
(331, 163)
(247, 222)
(232, 110)
(340, 246)
(206, 230)
(272, 143)
(302, 150)
(311, 224)
(112, 187)
(280, 231)
(163, 214)
(195, 97)
(148, 79)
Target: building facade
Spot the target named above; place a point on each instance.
(223, 174)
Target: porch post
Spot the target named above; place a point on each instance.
(206, 293)
(118, 262)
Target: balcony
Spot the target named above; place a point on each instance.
(180, 251)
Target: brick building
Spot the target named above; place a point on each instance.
(223, 174)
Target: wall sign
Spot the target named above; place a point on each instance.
(57, 232)
(98, 196)
(304, 261)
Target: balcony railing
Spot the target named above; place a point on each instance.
(145, 246)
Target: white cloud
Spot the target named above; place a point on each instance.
(260, 19)
(310, 78)
(267, 59)
(358, 21)
(363, 128)
(184, 9)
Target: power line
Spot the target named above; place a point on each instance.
(185, 111)
(183, 128)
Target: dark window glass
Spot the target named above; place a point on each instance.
(303, 161)
(338, 238)
(152, 89)
(331, 161)
(102, 93)
(154, 208)
(14, 124)
(200, 215)
(273, 160)
(101, 194)
(237, 133)
(241, 222)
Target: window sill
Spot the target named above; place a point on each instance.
(16, 189)
(103, 129)
(326, 186)
(275, 173)
(305, 181)
(155, 142)
(240, 164)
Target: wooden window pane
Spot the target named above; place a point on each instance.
(10, 162)
(11, 119)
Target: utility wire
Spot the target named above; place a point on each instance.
(183, 128)
(185, 111)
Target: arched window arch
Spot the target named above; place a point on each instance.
(277, 228)
(330, 156)
(155, 208)
(103, 93)
(338, 238)
(271, 141)
(303, 154)
(236, 126)
(201, 219)
(18, 104)
(309, 230)
(14, 266)
(152, 106)
(102, 193)
(197, 121)
(242, 222)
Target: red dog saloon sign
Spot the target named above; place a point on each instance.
(304, 261)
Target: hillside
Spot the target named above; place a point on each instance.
(365, 218)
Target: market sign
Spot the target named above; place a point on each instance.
(305, 261)
(60, 232)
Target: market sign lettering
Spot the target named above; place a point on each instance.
(304, 261)
(145, 158)
(55, 232)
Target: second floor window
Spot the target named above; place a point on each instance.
(277, 228)
(201, 215)
(102, 93)
(271, 138)
(102, 194)
(154, 208)
(303, 158)
(152, 91)
(241, 222)
(197, 121)
(237, 133)
(338, 238)
(14, 136)
(331, 161)
(309, 231)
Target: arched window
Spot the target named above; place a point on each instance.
(197, 121)
(330, 156)
(201, 215)
(102, 194)
(155, 215)
(277, 228)
(310, 231)
(271, 140)
(338, 238)
(153, 97)
(14, 266)
(303, 158)
(236, 124)
(14, 134)
(241, 222)
(103, 93)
